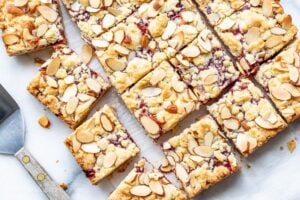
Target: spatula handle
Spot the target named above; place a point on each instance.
(40, 176)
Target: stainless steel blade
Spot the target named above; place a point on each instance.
(12, 127)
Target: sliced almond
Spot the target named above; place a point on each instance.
(278, 31)
(114, 11)
(192, 144)
(108, 21)
(109, 159)
(106, 123)
(151, 91)
(156, 187)
(107, 3)
(14, 10)
(150, 125)
(41, 30)
(225, 113)
(48, 13)
(86, 53)
(273, 41)
(266, 124)
(255, 2)
(121, 50)
(181, 173)
(140, 190)
(191, 51)
(242, 143)
(293, 74)
(119, 36)
(100, 43)
(90, 147)
(226, 24)
(197, 159)
(145, 41)
(44, 121)
(114, 64)
(53, 66)
(72, 105)
(205, 45)
(267, 7)
(75, 144)
(10, 39)
(208, 139)
(157, 76)
(144, 179)
(252, 35)
(170, 29)
(187, 16)
(70, 92)
(291, 89)
(232, 124)
(69, 79)
(210, 79)
(179, 38)
(96, 28)
(20, 3)
(287, 22)
(92, 10)
(204, 151)
(84, 97)
(84, 136)
(51, 82)
(94, 3)
(280, 93)
(76, 6)
(178, 86)
(93, 85)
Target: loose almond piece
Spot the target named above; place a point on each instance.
(90, 147)
(86, 53)
(181, 173)
(85, 136)
(72, 105)
(156, 187)
(20, 3)
(109, 159)
(140, 190)
(48, 13)
(106, 123)
(44, 121)
(114, 64)
(10, 39)
(53, 66)
(150, 125)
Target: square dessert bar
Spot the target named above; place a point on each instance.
(280, 79)
(176, 25)
(101, 144)
(247, 117)
(256, 32)
(216, 10)
(205, 66)
(127, 52)
(94, 17)
(160, 100)
(29, 25)
(199, 156)
(67, 86)
(147, 183)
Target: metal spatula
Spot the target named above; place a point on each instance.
(12, 137)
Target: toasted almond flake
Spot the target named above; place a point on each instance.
(187, 16)
(170, 29)
(100, 43)
(84, 97)
(192, 143)
(76, 6)
(225, 113)
(72, 105)
(93, 85)
(109, 159)
(140, 190)
(157, 76)
(272, 118)
(114, 11)
(278, 31)
(106, 123)
(267, 8)
(273, 41)
(90, 147)
(150, 125)
(226, 24)
(20, 3)
(210, 79)
(171, 160)
(252, 143)
(84, 136)
(75, 144)
(44, 121)
(151, 91)
(14, 10)
(287, 22)
(86, 53)
(48, 13)
(178, 86)
(69, 79)
(94, 3)
(266, 124)
(166, 168)
(252, 35)
(10, 39)
(181, 173)
(107, 3)
(70, 92)
(242, 143)
(280, 93)
(121, 50)
(232, 124)
(114, 64)
(204, 151)
(174, 156)
(197, 159)
(53, 66)
(255, 2)
(208, 139)
(291, 89)
(179, 37)
(144, 179)
(119, 36)
(205, 45)
(51, 82)
(191, 51)
(171, 108)
(292, 145)
(41, 30)
(293, 74)
(167, 146)
(156, 187)
(92, 10)
(108, 21)
(96, 28)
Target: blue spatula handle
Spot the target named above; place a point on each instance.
(40, 176)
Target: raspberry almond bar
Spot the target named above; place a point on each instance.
(256, 32)
(30, 25)
(216, 10)
(127, 52)
(205, 66)
(160, 100)
(67, 86)
(101, 144)
(199, 156)
(94, 17)
(280, 78)
(247, 117)
(145, 182)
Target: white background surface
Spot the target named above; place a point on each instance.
(274, 173)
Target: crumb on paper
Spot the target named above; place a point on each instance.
(38, 61)
(44, 121)
(292, 145)
(63, 185)
(248, 166)
(281, 148)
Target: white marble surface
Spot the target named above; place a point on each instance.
(274, 173)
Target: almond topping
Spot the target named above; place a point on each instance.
(86, 53)
(70, 92)
(107, 3)
(204, 151)
(140, 190)
(246, 143)
(93, 85)
(114, 64)
(156, 187)
(273, 41)
(121, 50)
(181, 173)
(72, 105)
(11, 9)
(157, 76)
(144, 41)
(172, 109)
(20, 3)
(150, 125)
(267, 8)
(252, 35)
(106, 123)
(10, 39)
(291, 89)
(187, 16)
(191, 51)
(294, 74)
(255, 2)
(90, 147)
(41, 30)
(53, 66)
(100, 43)
(48, 13)
(208, 139)
(226, 24)
(192, 144)
(114, 11)
(178, 86)
(280, 93)
(51, 82)
(278, 31)
(231, 124)
(266, 124)
(94, 3)
(119, 36)
(210, 79)
(109, 159)
(170, 29)
(85, 136)
(108, 21)
(151, 91)
(44, 121)
(225, 113)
